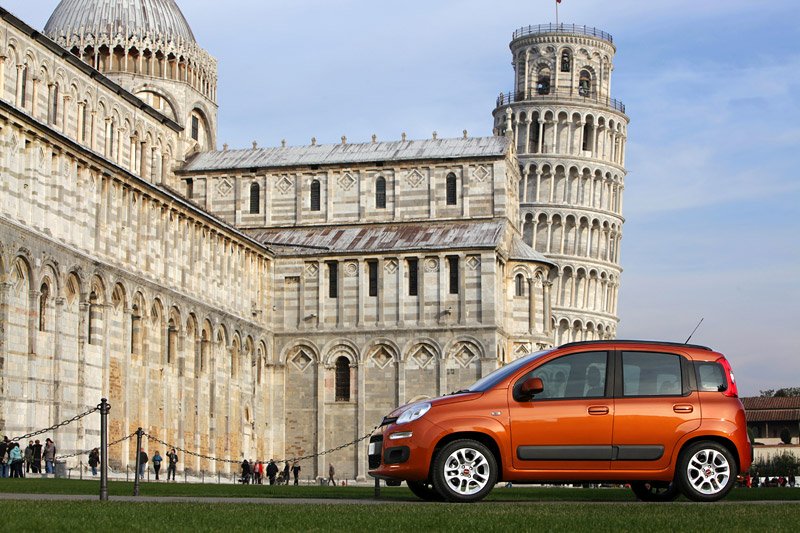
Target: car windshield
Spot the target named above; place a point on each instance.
(487, 382)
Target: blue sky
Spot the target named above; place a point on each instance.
(712, 200)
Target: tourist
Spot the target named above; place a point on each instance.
(259, 472)
(173, 464)
(49, 456)
(157, 463)
(296, 472)
(286, 473)
(37, 457)
(15, 460)
(245, 472)
(4, 467)
(143, 458)
(272, 471)
(94, 460)
(28, 457)
(331, 473)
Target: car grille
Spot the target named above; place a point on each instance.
(376, 443)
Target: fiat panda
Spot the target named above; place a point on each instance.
(662, 417)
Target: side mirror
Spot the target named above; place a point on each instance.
(531, 387)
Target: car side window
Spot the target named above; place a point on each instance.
(580, 375)
(651, 374)
(711, 377)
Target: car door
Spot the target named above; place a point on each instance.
(654, 408)
(569, 425)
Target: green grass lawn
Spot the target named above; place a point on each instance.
(490, 516)
(543, 494)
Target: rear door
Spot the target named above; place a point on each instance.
(655, 407)
(568, 426)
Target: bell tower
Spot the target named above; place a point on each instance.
(571, 138)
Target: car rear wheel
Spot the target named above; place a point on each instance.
(706, 471)
(424, 491)
(655, 491)
(464, 471)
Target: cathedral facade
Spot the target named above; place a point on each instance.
(277, 302)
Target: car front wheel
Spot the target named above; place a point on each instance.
(464, 471)
(706, 471)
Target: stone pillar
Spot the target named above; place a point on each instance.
(531, 307)
(548, 327)
(5, 287)
(361, 451)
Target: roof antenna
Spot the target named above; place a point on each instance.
(694, 330)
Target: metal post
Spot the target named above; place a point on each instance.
(139, 434)
(377, 488)
(105, 408)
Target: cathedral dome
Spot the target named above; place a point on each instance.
(156, 20)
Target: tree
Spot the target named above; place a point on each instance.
(786, 437)
(786, 392)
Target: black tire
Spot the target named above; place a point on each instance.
(464, 471)
(656, 491)
(424, 491)
(706, 471)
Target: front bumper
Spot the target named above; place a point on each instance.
(407, 458)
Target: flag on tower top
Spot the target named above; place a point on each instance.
(558, 1)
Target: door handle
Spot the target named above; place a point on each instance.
(682, 408)
(598, 410)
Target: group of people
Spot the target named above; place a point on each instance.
(172, 464)
(254, 471)
(756, 481)
(15, 462)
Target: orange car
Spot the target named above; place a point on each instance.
(664, 417)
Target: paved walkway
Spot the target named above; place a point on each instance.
(192, 499)
(321, 501)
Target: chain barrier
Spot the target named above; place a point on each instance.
(56, 426)
(236, 462)
(178, 448)
(86, 452)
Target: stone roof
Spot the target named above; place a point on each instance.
(772, 409)
(157, 20)
(520, 251)
(405, 237)
(333, 154)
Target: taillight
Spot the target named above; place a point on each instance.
(733, 390)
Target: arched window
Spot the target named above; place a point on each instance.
(543, 81)
(172, 341)
(342, 379)
(566, 61)
(54, 105)
(255, 198)
(23, 86)
(585, 83)
(94, 316)
(45, 294)
(380, 193)
(452, 190)
(136, 330)
(315, 195)
(520, 285)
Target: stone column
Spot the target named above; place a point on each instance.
(547, 308)
(361, 451)
(531, 307)
(5, 287)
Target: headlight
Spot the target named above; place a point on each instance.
(413, 413)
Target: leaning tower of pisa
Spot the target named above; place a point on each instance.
(570, 136)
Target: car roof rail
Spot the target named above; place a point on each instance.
(631, 341)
